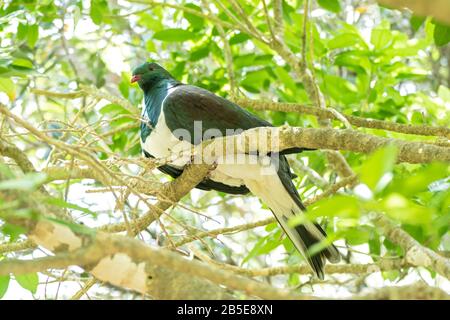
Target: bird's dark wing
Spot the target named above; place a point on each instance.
(188, 104)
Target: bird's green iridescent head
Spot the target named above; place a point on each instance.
(148, 74)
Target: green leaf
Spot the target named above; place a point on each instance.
(121, 120)
(338, 206)
(416, 22)
(24, 213)
(271, 226)
(330, 5)
(124, 88)
(441, 34)
(199, 53)
(63, 204)
(77, 228)
(244, 60)
(417, 118)
(377, 165)
(96, 12)
(354, 60)
(381, 38)
(356, 236)
(374, 244)
(174, 35)
(444, 93)
(6, 171)
(22, 63)
(114, 109)
(419, 180)
(29, 181)
(278, 118)
(76, 16)
(119, 141)
(4, 283)
(395, 96)
(14, 231)
(195, 21)
(270, 244)
(417, 232)
(318, 246)
(28, 281)
(391, 275)
(150, 22)
(284, 76)
(254, 80)
(239, 38)
(22, 31)
(396, 249)
(33, 35)
(344, 40)
(7, 86)
(404, 210)
(150, 46)
(340, 89)
(429, 30)
(254, 251)
(264, 245)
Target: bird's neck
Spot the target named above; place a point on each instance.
(155, 96)
(153, 99)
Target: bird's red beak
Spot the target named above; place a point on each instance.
(135, 78)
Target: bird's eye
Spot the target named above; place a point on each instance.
(151, 68)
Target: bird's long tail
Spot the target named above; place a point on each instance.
(285, 203)
(305, 236)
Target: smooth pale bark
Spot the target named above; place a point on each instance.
(439, 9)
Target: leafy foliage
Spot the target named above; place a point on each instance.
(4, 283)
(28, 281)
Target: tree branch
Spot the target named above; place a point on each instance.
(415, 253)
(439, 9)
(276, 139)
(129, 263)
(354, 120)
(416, 291)
(11, 151)
(278, 18)
(321, 113)
(17, 246)
(355, 269)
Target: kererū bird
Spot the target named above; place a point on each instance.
(172, 107)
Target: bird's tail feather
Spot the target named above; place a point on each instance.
(305, 236)
(279, 194)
